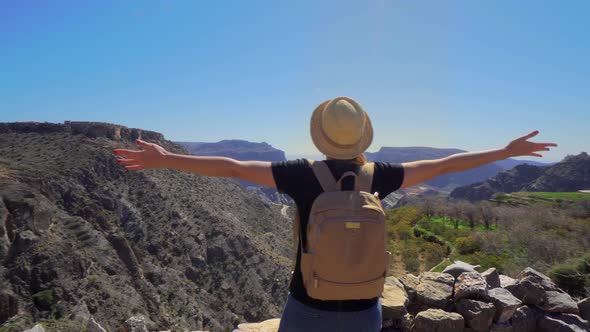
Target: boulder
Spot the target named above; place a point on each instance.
(584, 308)
(394, 299)
(436, 320)
(271, 325)
(504, 302)
(506, 281)
(470, 285)
(528, 291)
(492, 277)
(435, 289)
(562, 323)
(478, 315)
(537, 277)
(410, 282)
(531, 286)
(554, 301)
(525, 319)
(459, 267)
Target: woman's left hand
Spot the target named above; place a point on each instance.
(523, 147)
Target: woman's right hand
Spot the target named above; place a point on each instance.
(153, 156)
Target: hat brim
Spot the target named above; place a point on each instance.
(332, 149)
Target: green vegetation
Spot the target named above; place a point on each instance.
(416, 253)
(507, 237)
(44, 299)
(542, 198)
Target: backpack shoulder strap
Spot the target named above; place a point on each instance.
(324, 176)
(364, 181)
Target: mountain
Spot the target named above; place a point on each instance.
(81, 236)
(570, 174)
(447, 181)
(236, 149)
(243, 150)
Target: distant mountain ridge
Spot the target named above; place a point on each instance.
(236, 149)
(243, 150)
(570, 174)
(447, 181)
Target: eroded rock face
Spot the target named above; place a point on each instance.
(8, 306)
(436, 320)
(74, 223)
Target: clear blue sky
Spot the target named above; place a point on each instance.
(465, 74)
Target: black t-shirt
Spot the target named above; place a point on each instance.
(296, 179)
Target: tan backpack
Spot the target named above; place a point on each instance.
(345, 257)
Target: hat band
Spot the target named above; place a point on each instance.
(338, 145)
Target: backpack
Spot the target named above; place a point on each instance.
(346, 256)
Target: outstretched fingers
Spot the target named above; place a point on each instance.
(530, 135)
(143, 144)
(127, 161)
(126, 153)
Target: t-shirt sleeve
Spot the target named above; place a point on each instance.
(387, 178)
(289, 174)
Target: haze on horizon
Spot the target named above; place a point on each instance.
(459, 74)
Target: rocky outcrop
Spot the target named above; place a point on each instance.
(90, 129)
(473, 309)
(236, 149)
(81, 237)
(570, 174)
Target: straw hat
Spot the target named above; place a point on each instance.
(341, 129)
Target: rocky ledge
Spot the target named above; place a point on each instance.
(87, 128)
(458, 299)
(463, 299)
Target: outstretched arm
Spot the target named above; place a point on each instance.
(421, 171)
(155, 156)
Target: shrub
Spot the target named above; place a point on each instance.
(467, 245)
(568, 278)
(44, 299)
(584, 264)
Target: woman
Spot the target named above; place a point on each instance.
(342, 131)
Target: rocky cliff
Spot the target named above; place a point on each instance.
(571, 174)
(237, 149)
(244, 150)
(80, 237)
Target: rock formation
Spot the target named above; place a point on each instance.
(82, 239)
